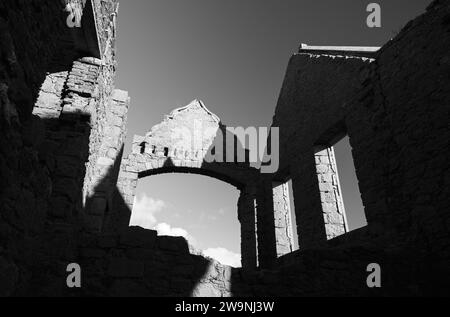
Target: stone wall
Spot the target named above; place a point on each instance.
(305, 121)
(28, 39)
(185, 142)
(140, 263)
(393, 106)
(330, 193)
(399, 135)
(51, 150)
(282, 218)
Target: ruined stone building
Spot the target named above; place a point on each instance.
(67, 188)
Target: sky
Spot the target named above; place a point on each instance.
(232, 55)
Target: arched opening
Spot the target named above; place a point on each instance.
(200, 208)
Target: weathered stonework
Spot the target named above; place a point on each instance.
(330, 193)
(181, 143)
(66, 193)
(383, 104)
(282, 214)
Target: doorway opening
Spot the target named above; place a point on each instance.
(199, 208)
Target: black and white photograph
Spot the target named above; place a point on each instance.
(224, 155)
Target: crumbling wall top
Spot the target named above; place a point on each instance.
(361, 51)
(191, 128)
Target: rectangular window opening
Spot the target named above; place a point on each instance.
(348, 183)
(342, 206)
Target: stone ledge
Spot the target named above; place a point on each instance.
(358, 51)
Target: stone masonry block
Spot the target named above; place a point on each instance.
(124, 268)
(138, 237)
(120, 95)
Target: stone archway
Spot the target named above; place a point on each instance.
(182, 143)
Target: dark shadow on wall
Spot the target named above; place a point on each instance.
(38, 240)
(222, 161)
(42, 169)
(135, 261)
(32, 252)
(42, 228)
(132, 262)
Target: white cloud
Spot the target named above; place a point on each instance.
(224, 256)
(144, 210)
(165, 229)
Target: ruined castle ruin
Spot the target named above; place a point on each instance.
(67, 187)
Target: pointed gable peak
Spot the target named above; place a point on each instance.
(195, 105)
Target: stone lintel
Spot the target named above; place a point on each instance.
(362, 51)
